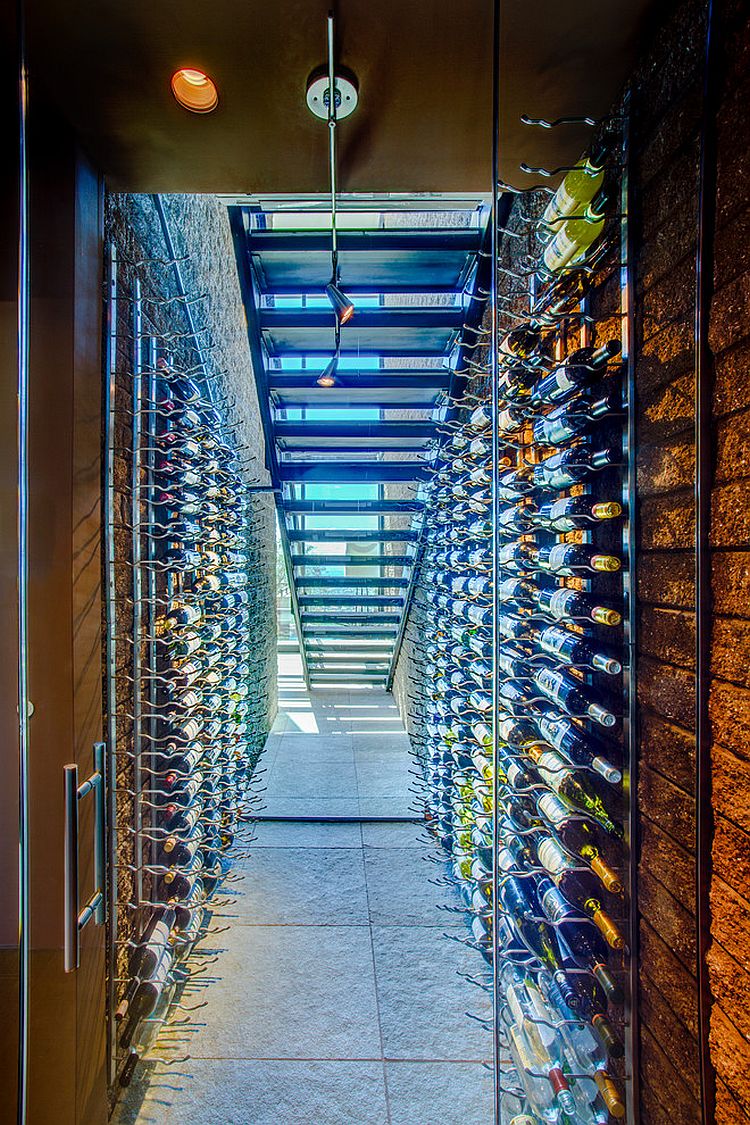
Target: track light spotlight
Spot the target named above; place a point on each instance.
(342, 306)
(327, 378)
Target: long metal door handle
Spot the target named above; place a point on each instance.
(76, 919)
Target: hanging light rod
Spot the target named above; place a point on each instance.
(327, 377)
(332, 95)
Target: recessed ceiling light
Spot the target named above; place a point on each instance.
(194, 90)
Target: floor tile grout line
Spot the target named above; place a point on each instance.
(337, 1059)
(377, 992)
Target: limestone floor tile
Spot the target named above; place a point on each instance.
(277, 834)
(316, 747)
(423, 1001)
(262, 1092)
(384, 777)
(439, 1093)
(312, 779)
(290, 992)
(397, 807)
(309, 808)
(399, 890)
(394, 836)
(302, 886)
(381, 742)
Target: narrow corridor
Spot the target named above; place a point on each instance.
(335, 999)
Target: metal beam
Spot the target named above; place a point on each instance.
(379, 600)
(353, 470)
(350, 535)
(319, 633)
(313, 506)
(437, 378)
(433, 317)
(352, 560)
(464, 240)
(360, 430)
(364, 619)
(264, 403)
(429, 289)
(329, 581)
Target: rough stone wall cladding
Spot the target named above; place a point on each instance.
(729, 957)
(667, 104)
(200, 230)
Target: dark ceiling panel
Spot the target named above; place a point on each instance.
(424, 69)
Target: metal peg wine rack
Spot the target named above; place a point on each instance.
(520, 637)
(190, 593)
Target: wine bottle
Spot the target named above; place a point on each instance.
(573, 240)
(579, 746)
(581, 369)
(565, 604)
(571, 466)
(572, 512)
(571, 559)
(576, 649)
(568, 421)
(577, 190)
(574, 696)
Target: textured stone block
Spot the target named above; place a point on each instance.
(671, 809)
(730, 1054)
(731, 786)
(731, 389)
(667, 410)
(667, 578)
(730, 583)
(731, 855)
(667, 689)
(678, 1106)
(730, 314)
(730, 919)
(730, 984)
(671, 977)
(733, 448)
(658, 1016)
(667, 522)
(730, 515)
(673, 920)
(669, 301)
(728, 1109)
(668, 749)
(729, 710)
(665, 466)
(664, 356)
(661, 853)
(667, 634)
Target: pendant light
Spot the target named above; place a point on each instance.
(331, 96)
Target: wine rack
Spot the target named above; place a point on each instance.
(191, 647)
(519, 635)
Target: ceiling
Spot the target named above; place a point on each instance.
(424, 71)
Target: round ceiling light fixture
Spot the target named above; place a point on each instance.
(318, 92)
(194, 90)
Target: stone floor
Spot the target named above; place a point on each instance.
(334, 998)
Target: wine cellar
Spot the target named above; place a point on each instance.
(375, 565)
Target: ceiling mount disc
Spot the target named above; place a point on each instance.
(318, 94)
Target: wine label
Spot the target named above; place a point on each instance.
(559, 555)
(550, 680)
(553, 858)
(560, 601)
(552, 808)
